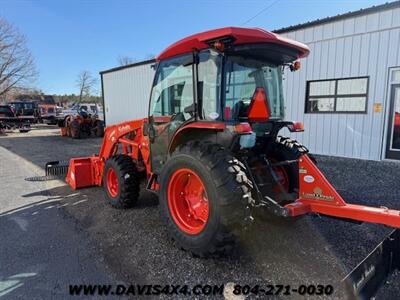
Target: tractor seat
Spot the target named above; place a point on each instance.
(239, 110)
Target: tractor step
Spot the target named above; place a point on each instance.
(365, 280)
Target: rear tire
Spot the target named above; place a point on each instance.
(121, 182)
(283, 149)
(99, 129)
(227, 191)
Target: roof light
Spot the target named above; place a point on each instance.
(295, 66)
(219, 46)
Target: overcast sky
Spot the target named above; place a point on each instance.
(66, 37)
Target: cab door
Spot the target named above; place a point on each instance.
(172, 92)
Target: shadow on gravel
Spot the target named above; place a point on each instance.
(49, 255)
(136, 246)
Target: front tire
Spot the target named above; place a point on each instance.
(121, 181)
(204, 193)
(76, 132)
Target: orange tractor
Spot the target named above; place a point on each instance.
(211, 146)
(81, 125)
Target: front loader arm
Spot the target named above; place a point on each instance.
(317, 195)
(88, 171)
(114, 134)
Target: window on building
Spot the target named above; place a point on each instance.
(347, 95)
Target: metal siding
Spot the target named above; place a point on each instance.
(358, 46)
(127, 93)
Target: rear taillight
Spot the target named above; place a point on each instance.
(243, 128)
(296, 127)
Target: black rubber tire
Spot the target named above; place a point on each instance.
(76, 132)
(128, 180)
(282, 151)
(286, 149)
(228, 190)
(99, 129)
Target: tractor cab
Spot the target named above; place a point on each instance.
(210, 150)
(218, 81)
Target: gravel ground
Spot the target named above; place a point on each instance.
(135, 244)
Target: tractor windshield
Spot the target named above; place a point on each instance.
(242, 76)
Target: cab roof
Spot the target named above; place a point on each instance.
(239, 36)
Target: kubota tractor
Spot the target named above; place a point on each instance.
(211, 146)
(81, 125)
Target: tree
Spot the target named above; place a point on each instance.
(17, 67)
(86, 83)
(125, 60)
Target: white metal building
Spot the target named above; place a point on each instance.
(347, 92)
(126, 91)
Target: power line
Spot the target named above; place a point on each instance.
(260, 12)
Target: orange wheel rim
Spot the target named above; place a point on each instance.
(112, 182)
(188, 201)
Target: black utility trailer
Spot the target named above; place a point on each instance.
(9, 121)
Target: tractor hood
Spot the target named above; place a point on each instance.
(237, 36)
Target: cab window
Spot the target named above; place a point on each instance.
(172, 90)
(209, 88)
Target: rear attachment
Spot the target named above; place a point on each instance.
(365, 280)
(53, 170)
(316, 195)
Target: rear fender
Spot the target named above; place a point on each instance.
(195, 131)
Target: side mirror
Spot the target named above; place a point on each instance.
(259, 107)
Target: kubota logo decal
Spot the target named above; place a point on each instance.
(318, 195)
(124, 128)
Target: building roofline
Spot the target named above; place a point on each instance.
(143, 62)
(363, 11)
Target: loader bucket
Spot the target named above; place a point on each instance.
(82, 172)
